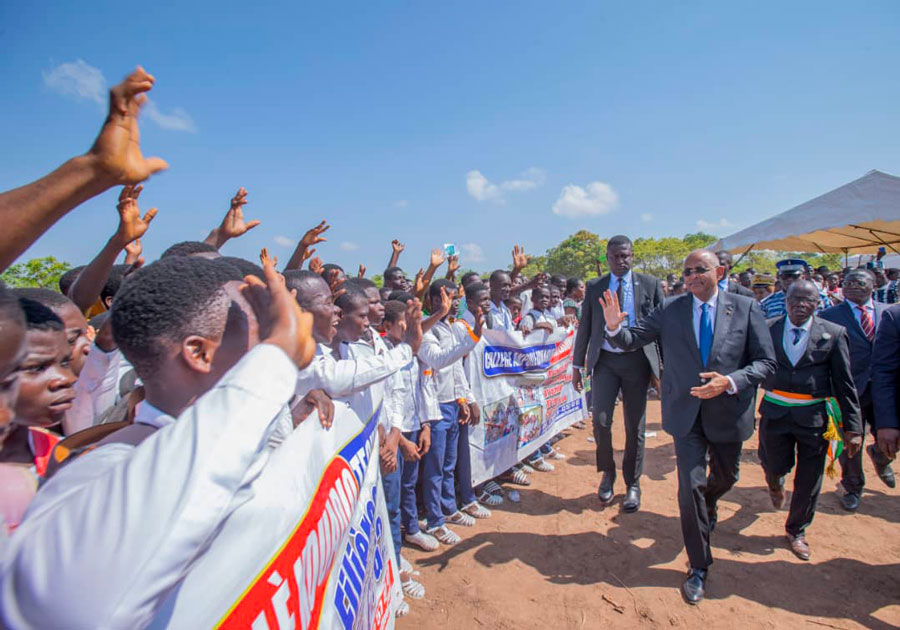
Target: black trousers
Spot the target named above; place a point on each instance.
(787, 443)
(630, 372)
(852, 477)
(699, 492)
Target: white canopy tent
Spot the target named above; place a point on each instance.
(858, 217)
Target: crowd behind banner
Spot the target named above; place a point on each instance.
(209, 441)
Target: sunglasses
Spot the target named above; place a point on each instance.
(689, 271)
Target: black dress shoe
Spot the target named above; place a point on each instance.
(885, 473)
(692, 589)
(850, 501)
(632, 502)
(605, 491)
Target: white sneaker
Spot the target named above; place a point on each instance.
(425, 542)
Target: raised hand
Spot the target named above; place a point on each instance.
(479, 322)
(314, 236)
(419, 284)
(316, 265)
(413, 334)
(116, 153)
(362, 271)
(614, 317)
(397, 247)
(233, 225)
(443, 306)
(452, 266)
(131, 225)
(437, 257)
(520, 258)
(336, 284)
(315, 399)
(133, 251)
(288, 326)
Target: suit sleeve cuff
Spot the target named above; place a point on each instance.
(732, 388)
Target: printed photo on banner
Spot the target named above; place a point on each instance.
(500, 419)
(531, 424)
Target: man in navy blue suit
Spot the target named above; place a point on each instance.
(861, 316)
(886, 382)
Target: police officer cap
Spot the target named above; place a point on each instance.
(791, 266)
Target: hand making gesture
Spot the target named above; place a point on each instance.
(614, 317)
(131, 225)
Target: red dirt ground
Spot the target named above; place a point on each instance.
(558, 560)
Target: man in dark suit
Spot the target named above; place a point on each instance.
(860, 315)
(726, 284)
(886, 382)
(797, 409)
(717, 350)
(612, 369)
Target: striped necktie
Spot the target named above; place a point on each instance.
(865, 320)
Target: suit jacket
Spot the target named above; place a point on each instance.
(648, 295)
(886, 370)
(860, 346)
(822, 371)
(736, 287)
(741, 349)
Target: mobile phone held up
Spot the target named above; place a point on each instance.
(449, 249)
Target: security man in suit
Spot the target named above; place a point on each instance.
(886, 382)
(726, 283)
(717, 350)
(809, 402)
(613, 369)
(860, 315)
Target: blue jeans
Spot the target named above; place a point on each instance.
(408, 479)
(390, 483)
(439, 464)
(464, 468)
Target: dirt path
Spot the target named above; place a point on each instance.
(557, 560)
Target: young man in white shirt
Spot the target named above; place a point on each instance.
(443, 348)
(154, 495)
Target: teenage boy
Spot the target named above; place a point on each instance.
(161, 488)
(443, 348)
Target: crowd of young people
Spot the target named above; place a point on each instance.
(140, 401)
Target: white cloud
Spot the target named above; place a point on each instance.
(595, 199)
(471, 253)
(401, 203)
(78, 79)
(714, 227)
(178, 120)
(481, 188)
(646, 217)
(349, 246)
(284, 241)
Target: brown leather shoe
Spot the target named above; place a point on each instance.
(777, 496)
(799, 546)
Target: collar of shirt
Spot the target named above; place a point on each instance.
(723, 284)
(614, 280)
(145, 413)
(789, 325)
(711, 301)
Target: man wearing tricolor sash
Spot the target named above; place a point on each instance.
(810, 410)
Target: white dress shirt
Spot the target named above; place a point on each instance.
(110, 536)
(795, 351)
(501, 318)
(340, 378)
(96, 389)
(442, 350)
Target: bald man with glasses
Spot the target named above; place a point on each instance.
(717, 350)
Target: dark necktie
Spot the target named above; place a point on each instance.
(706, 333)
(798, 333)
(865, 320)
(620, 294)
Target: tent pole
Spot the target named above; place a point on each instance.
(741, 257)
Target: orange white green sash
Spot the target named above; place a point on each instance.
(834, 431)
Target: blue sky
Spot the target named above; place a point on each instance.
(482, 124)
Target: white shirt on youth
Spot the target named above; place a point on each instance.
(501, 318)
(795, 351)
(442, 350)
(96, 389)
(109, 537)
(340, 378)
(533, 317)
